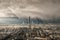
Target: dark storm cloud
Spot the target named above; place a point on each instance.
(44, 9)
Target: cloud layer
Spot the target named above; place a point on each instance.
(44, 9)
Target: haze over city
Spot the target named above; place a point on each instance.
(29, 19)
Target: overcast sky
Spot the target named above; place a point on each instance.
(44, 9)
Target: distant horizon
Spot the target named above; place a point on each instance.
(15, 20)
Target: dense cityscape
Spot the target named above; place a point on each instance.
(30, 32)
(28, 29)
